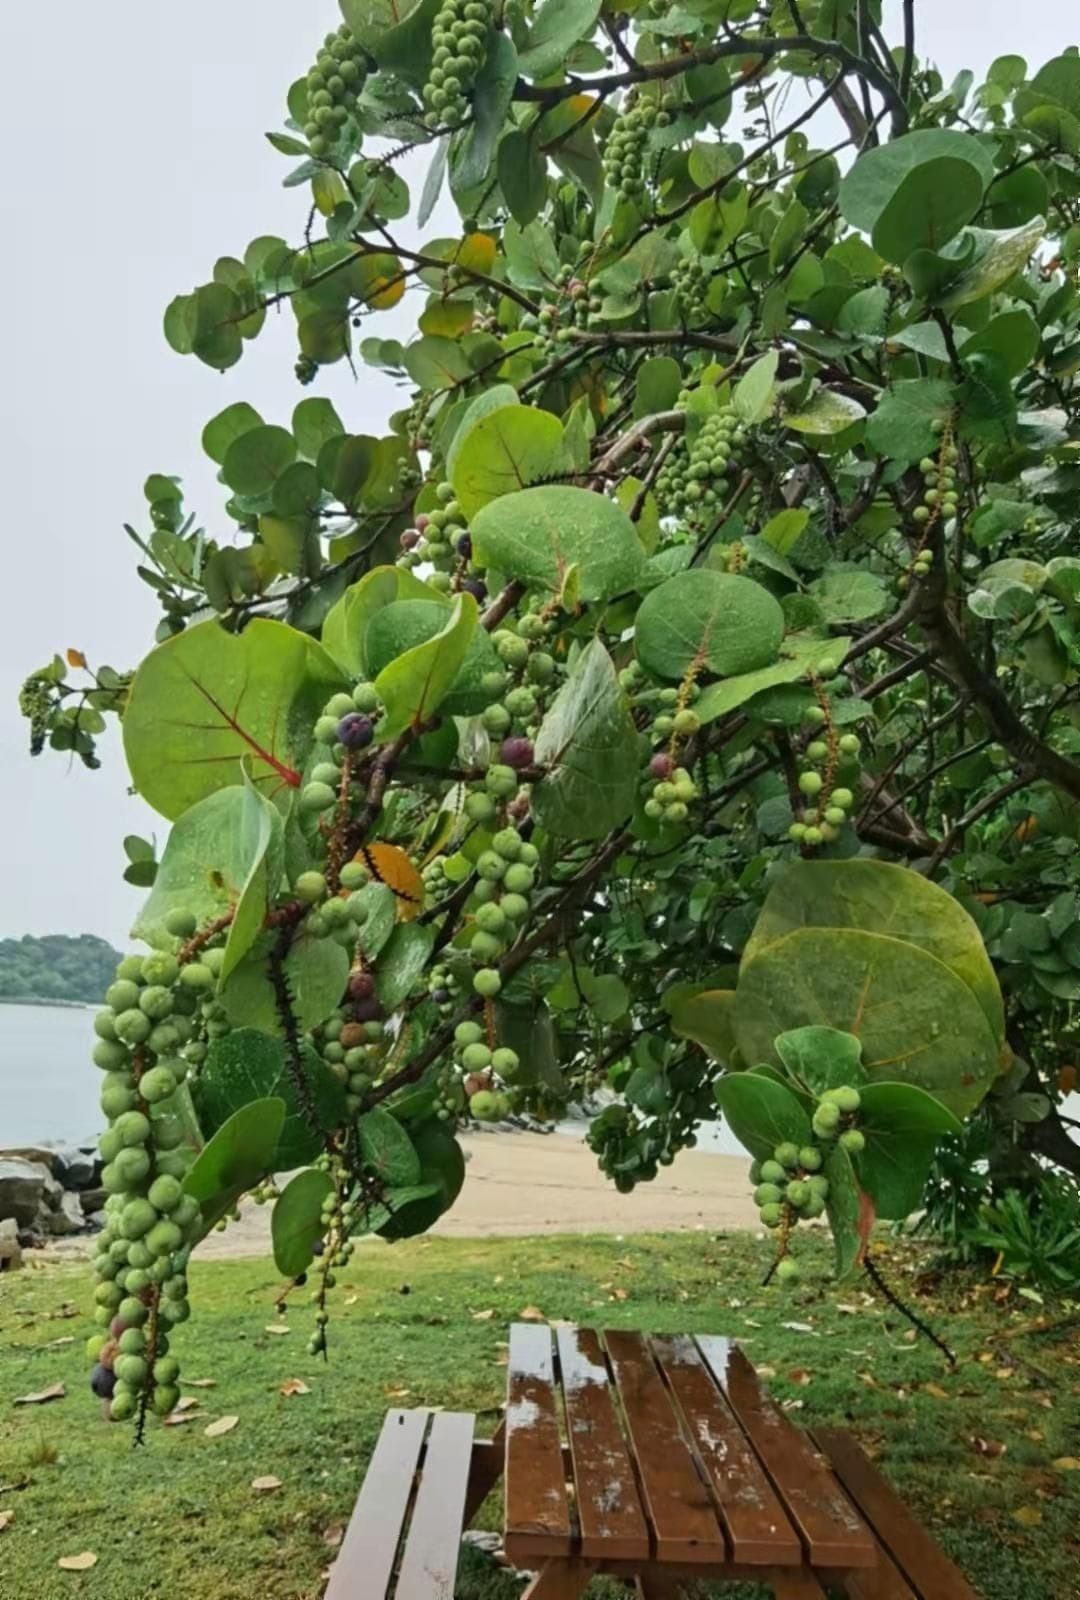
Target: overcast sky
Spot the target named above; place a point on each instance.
(148, 163)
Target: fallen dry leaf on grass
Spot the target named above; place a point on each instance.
(988, 1447)
(394, 1391)
(6, 1519)
(198, 1383)
(222, 1425)
(187, 1402)
(1030, 1516)
(1066, 1464)
(57, 1344)
(332, 1536)
(293, 1386)
(265, 1485)
(55, 1392)
(81, 1563)
(800, 1375)
(277, 1327)
(532, 1314)
(483, 1316)
(936, 1390)
(177, 1419)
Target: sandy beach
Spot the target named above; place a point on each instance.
(549, 1183)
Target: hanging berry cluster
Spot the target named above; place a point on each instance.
(939, 502)
(334, 85)
(790, 1187)
(627, 149)
(690, 283)
(460, 36)
(697, 479)
(830, 766)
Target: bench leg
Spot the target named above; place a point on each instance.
(485, 1470)
(561, 1580)
(657, 1588)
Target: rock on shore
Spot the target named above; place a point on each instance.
(47, 1191)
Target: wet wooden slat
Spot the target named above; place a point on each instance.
(833, 1533)
(537, 1510)
(429, 1564)
(609, 1510)
(757, 1526)
(678, 1503)
(924, 1564)
(366, 1559)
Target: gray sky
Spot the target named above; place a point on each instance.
(150, 164)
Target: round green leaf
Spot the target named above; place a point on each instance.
(761, 1112)
(406, 624)
(206, 702)
(928, 208)
(918, 1022)
(246, 1065)
(296, 1225)
(589, 746)
(239, 1156)
(878, 174)
(257, 458)
(502, 452)
(879, 897)
(722, 622)
(538, 534)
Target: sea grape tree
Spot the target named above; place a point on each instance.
(678, 699)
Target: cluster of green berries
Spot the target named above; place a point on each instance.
(631, 1149)
(346, 727)
(484, 1071)
(339, 1217)
(533, 671)
(460, 37)
(334, 916)
(696, 479)
(827, 756)
(789, 1187)
(672, 712)
(832, 1118)
(575, 306)
(440, 539)
(506, 880)
(939, 496)
(671, 789)
(333, 87)
(142, 1253)
(353, 1040)
(443, 988)
(627, 148)
(690, 282)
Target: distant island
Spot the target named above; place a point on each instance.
(56, 968)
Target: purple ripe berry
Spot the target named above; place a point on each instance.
(103, 1382)
(361, 986)
(464, 546)
(516, 753)
(355, 731)
(368, 1011)
(442, 997)
(476, 587)
(661, 765)
(410, 538)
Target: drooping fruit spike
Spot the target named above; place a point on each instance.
(355, 731)
(517, 753)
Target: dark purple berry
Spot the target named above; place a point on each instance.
(516, 753)
(661, 765)
(422, 521)
(355, 731)
(361, 986)
(476, 587)
(410, 538)
(464, 546)
(103, 1382)
(368, 1011)
(442, 997)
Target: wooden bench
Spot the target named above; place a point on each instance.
(659, 1460)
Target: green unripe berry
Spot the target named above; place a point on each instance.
(133, 1027)
(110, 1055)
(122, 995)
(137, 1218)
(131, 1166)
(767, 1194)
(845, 1096)
(317, 797)
(797, 832)
(485, 1105)
(487, 982)
(787, 1270)
(817, 751)
(491, 918)
(365, 697)
(476, 1057)
(491, 866)
(519, 878)
(787, 1155)
(809, 1158)
(507, 843)
(161, 967)
(815, 715)
(485, 947)
(467, 1033)
(479, 807)
(310, 887)
(773, 1172)
(798, 1193)
(810, 783)
(850, 744)
(181, 924)
(852, 1141)
(515, 906)
(772, 1215)
(843, 798)
(813, 836)
(686, 722)
(835, 817)
(506, 1062)
(157, 1084)
(156, 1002)
(165, 1194)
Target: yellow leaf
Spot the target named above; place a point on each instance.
(390, 865)
(6, 1519)
(936, 1390)
(476, 253)
(222, 1425)
(293, 1386)
(81, 1563)
(532, 1314)
(1066, 1464)
(75, 658)
(483, 1316)
(1030, 1516)
(277, 1327)
(265, 1485)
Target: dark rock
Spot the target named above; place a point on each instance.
(71, 1165)
(26, 1187)
(68, 1217)
(92, 1200)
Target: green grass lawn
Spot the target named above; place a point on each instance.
(425, 1323)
